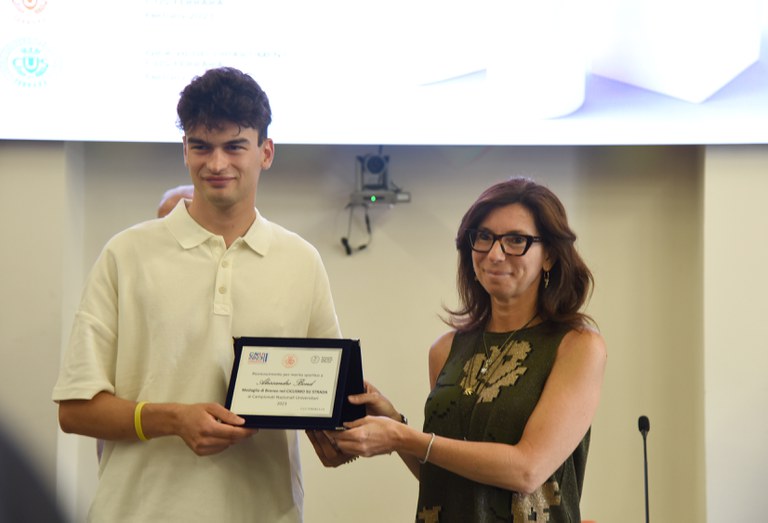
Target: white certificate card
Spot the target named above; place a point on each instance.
(287, 381)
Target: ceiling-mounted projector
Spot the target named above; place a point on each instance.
(373, 185)
(377, 197)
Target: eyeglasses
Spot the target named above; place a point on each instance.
(512, 244)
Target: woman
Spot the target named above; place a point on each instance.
(514, 385)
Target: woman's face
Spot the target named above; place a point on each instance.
(508, 278)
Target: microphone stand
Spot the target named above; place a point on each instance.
(644, 425)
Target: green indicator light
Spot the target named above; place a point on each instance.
(373, 198)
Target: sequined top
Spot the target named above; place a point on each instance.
(495, 406)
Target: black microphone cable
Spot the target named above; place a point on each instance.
(349, 249)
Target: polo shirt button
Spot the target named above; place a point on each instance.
(222, 290)
(225, 264)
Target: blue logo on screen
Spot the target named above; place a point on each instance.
(26, 63)
(29, 63)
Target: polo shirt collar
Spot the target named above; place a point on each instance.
(191, 234)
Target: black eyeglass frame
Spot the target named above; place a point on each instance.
(529, 240)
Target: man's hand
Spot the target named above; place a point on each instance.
(209, 428)
(326, 449)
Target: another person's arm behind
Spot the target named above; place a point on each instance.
(172, 196)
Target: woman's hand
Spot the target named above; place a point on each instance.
(375, 434)
(368, 436)
(376, 404)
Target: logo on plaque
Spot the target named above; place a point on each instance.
(289, 360)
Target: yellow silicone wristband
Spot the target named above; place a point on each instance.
(137, 421)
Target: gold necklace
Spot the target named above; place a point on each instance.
(503, 348)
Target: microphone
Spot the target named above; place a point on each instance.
(644, 425)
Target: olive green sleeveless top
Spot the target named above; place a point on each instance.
(493, 404)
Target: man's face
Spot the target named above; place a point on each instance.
(225, 164)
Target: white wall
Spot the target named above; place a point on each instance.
(735, 310)
(38, 224)
(639, 213)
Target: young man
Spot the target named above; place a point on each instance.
(149, 359)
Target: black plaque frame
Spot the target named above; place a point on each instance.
(350, 381)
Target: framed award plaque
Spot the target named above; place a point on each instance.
(296, 383)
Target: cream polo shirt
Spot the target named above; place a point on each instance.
(156, 322)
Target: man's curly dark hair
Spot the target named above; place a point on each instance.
(221, 96)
